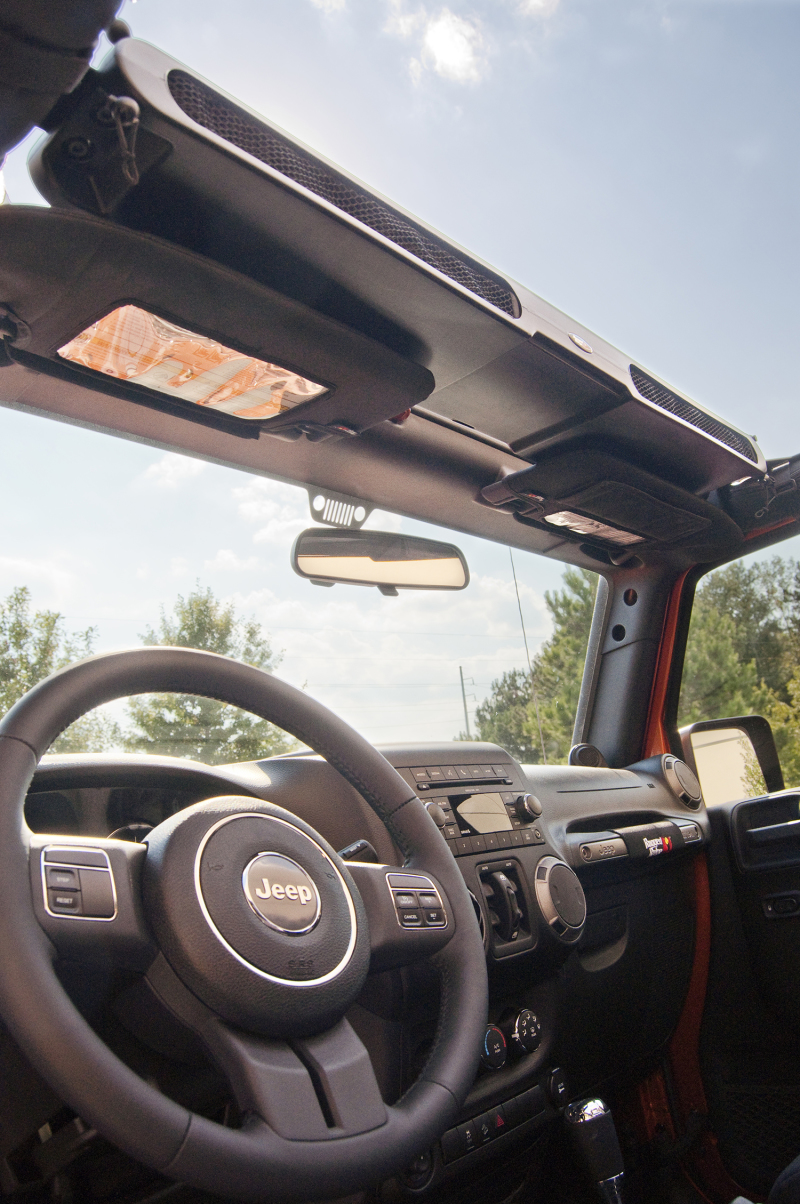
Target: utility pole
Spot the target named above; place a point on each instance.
(464, 699)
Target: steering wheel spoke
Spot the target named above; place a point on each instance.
(87, 898)
(409, 914)
(309, 1089)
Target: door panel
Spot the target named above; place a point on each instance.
(750, 1040)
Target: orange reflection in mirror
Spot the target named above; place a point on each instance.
(132, 344)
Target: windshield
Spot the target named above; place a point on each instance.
(119, 544)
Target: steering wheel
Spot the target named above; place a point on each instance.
(253, 933)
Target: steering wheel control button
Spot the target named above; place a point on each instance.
(97, 893)
(526, 1035)
(493, 1054)
(561, 899)
(70, 856)
(62, 879)
(81, 886)
(281, 893)
(417, 903)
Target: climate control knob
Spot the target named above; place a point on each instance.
(527, 807)
(494, 1051)
(526, 1035)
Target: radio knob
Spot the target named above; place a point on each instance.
(528, 807)
(526, 1035)
(493, 1053)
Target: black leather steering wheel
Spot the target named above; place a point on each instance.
(253, 932)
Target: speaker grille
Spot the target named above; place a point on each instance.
(228, 121)
(667, 400)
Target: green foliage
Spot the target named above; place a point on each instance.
(508, 715)
(716, 682)
(741, 654)
(186, 725)
(763, 602)
(502, 717)
(32, 646)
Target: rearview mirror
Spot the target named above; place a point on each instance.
(733, 758)
(326, 555)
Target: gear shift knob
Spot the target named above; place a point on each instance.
(591, 1127)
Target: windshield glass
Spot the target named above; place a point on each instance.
(119, 544)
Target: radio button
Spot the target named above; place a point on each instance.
(480, 843)
(503, 840)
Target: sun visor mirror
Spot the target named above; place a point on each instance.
(382, 558)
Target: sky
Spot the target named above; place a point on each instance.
(634, 162)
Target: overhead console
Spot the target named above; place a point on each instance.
(613, 509)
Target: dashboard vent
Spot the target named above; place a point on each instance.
(651, 390)
(235, 125)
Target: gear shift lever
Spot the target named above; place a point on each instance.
(591, 1127)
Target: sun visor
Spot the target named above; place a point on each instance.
(613, 509)
(131, 315)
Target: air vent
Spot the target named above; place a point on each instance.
(673, 404)
(235, 125)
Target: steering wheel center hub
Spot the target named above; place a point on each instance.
(281, 893)
(257, 915)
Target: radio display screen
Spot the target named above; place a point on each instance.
(485, 813)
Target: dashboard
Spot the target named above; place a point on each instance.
(582, 879)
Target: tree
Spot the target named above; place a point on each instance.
(186, 725)
(502, 717)
(716, 682)
(508, 715)
(762, 601)
(34, 645)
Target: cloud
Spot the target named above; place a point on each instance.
(537, 8)
(226, 560)
(170, 472)
(452, 46)
(280, 511)
(42, 575)
(329, 7)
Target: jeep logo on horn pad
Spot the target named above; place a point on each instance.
(281, 893)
